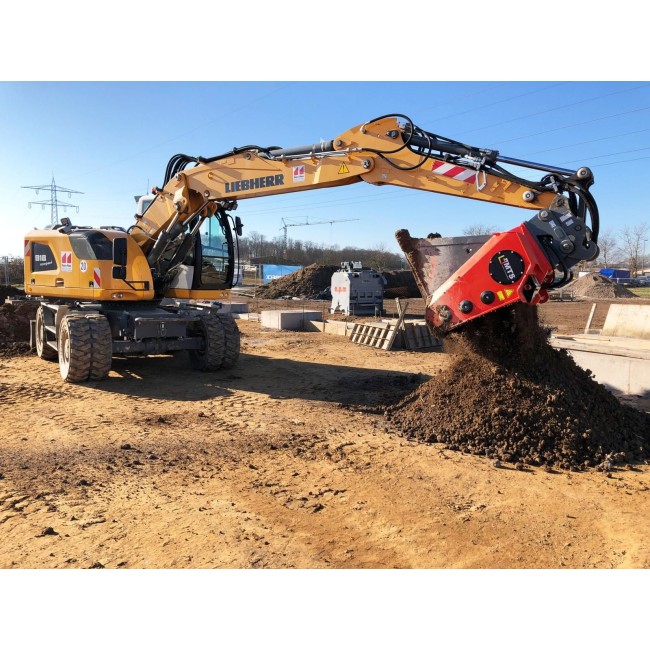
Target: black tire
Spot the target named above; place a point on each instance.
(74, 348)
(232, 340)
(210, 356)
(43, 351)
(101, 340)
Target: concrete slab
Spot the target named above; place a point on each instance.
(621, 364)
(279, 319)
(628, 320)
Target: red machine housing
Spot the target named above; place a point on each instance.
(509, 267)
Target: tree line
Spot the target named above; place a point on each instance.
(255, 248)
(629, 247)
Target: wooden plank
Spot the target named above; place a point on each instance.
(400, 324)
(591, 316)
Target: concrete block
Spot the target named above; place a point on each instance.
(338, 327)
(628, 320)
(314, 326)
(279, 319)
(620, 364)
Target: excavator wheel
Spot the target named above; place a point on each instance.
(101, 340)
(232, 342)
(43, 350)
(211, 356)
(85, 347)
(74, 348)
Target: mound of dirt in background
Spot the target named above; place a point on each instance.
(10, 292)
(597, 286)
(14, 324)
(400, 284)
(304, 283)
(510, 396)
(310, 281)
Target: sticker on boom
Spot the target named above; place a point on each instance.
(255, 183)
(506, 267)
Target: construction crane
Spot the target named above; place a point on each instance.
(306, 223)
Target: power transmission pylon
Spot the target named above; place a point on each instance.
(54, 202)
(306, 223)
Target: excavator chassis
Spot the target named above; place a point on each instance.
(85, 336)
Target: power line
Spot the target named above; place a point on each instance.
(501, 101)
(54, 202)
(177, 137)
(605, 155)
(556, 108)
(569, 126)
(461, 98)
(620, 162)
(576, 144)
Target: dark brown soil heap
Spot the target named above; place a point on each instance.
(400, 284)
(304, 283)
(10, 292)
(14, 325)
(310, 281)
(597, 286)
(510, 396)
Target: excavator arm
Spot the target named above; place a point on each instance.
(518, 265)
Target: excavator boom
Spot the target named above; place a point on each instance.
(519, 265)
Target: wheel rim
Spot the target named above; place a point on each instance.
(40, 333)
(65, 351)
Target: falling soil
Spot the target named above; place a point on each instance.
(597, 286)
(510, 396)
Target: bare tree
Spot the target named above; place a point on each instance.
(609, 248)
(632, 241)
(479, 229)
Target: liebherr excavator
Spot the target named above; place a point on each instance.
(142, 290)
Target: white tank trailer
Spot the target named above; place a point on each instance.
(357, 291)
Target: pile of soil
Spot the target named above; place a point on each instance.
(307, 283)
(509, 396)
(313, 280)
(400, 284)
(10, 292)
(14, 324)
(597, 286)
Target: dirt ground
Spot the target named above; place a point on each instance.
(277, 464)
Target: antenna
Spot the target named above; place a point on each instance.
(54, 202)
(306, 223)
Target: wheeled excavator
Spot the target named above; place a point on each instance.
(152, 288)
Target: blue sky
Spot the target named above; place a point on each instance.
(112, 140)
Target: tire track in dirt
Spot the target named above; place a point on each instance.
(261, 467)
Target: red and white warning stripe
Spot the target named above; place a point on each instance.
(97, 277)
(453, 171)
(28, 248)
